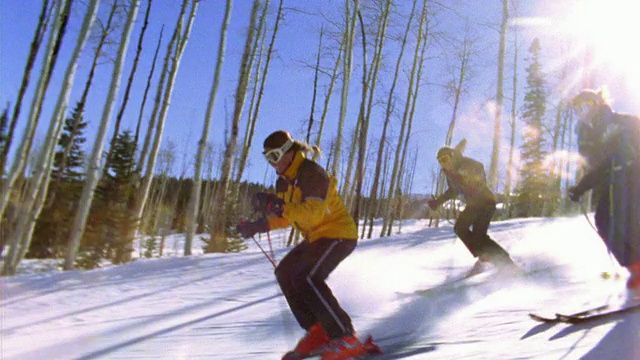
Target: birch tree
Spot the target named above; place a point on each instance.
(38, 36)
(350, 21)
(327, 99)
(61, 16)
(38, 185)
(412, 98)
(347, 191)
(497, 124)
(315, 86)
(512, 121)
(175, 50)
(127, 91)
(218, 240)
(93, 166)
(263, 81)
(146, 91)
(387, 118)
(366, 115)
(102, 39)
(386, 225)
(194, 200)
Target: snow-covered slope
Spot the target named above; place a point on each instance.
(230, 307)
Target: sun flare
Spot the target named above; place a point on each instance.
(608, 31)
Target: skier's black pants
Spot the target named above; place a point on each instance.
(471, 227)
(302, 274)
(617, 223)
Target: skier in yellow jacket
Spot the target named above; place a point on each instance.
(307, 199)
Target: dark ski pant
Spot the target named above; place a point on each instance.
(302, 274)
(471, 227)
(618, 222)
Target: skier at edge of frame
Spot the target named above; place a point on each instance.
(609, 142)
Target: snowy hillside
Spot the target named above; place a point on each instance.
(229, 306)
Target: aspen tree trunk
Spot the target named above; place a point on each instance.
(350, 21)
(263, 81)
(413, 99)
(144, 101)
(125, 98)
(256, 52)
(85, 93)
(465, 53)
(158, 100)
(497, 125)
(327, 99)
(512, 122)
(347, 190)
(315, 86)
(569, 146)
(38, 35)
(218, 241)
(93, 166)
(194, 200)
(61, 15)
(209, 196)
(408, 184)
(459, 82)
(257, 49)
(388, 220)
(387, 119)
(375, 68)
(181, 36)
(37, 187)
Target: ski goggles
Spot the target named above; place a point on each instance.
(275, 155)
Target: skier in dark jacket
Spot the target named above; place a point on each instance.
(610, 145)
(466, 177)
(307, 198)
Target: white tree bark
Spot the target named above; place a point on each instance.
(181, 36)
(346, 78)
(38, 185)
(93, 166)
(497, 125)
(218, 242)
(194, 200)
(22, 151)
(388, 219)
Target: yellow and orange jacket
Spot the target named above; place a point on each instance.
(312, 204)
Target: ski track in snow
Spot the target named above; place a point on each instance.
(230, 307)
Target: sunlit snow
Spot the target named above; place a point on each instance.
(229, 306)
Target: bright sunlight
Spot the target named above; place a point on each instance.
(609, 30)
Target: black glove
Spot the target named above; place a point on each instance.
(247, 229)
(433, 203)
(574, 193)
(268, 203)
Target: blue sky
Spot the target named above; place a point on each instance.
(288, 92)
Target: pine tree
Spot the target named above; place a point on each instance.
(535, 178)
(68, 165)
(117, 188)
(52, 228)
(109, 220)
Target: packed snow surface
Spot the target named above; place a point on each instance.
(228, 306)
